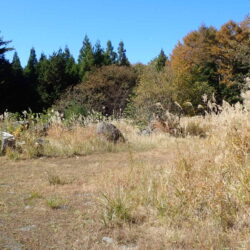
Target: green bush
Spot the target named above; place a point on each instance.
(74, 110)
(154, 87)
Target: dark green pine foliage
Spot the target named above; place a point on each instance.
(42, 69)
(3, 48)
(18, 82)
(31, 79)
(160, 61)
(86, 59)
(71, 67)
(42, 63)
(110, 56)
(42, 57)
(16, 65)
(122, 58)
(6, 87)
(55, 75)
(98, 55)
(30, 70)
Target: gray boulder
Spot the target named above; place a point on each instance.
(110, 132)
(8, 141)
(145, 131)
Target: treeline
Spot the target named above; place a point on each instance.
(42, 81)
(207, 61)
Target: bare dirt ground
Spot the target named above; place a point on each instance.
(28, 219)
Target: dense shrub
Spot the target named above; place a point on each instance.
(153, 94)
(106, 90)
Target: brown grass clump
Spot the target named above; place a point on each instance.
(194, 129)
(64, 141)
(202, 196)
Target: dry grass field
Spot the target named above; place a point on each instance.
(153, 192)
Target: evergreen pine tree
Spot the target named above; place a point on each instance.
(18, 82)
(42, 64)
(122, 58)
(7, 94)
(31, 78)
(71, 67)
(42, 57)
(110, 56)
(16, 64)
(31, 67)
(98, 54)
(161, 61)
(3, 48)
(86, 59)
(55, 75)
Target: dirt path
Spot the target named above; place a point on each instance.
(27, 220)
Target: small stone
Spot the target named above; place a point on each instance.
(146, 131)
(88, 203)
(20, 143)
(27, 228)
(63, 207)
(108, 240)
(127, 247)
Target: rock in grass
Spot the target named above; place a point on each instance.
(8, 141)
(27, 228)
(108, 240)
(145, 131)
(110, 132)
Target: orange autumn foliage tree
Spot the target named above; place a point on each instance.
(193, 66)
(212, 61)
(230, 38)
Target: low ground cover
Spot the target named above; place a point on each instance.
(156, 191)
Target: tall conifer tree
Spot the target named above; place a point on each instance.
(161, 61)
(86, 59)
(6, 87)
(31, 76)
(110, 55)
(98, 54)
(122, 58)
(3, 48)
(71, 67)
(16, 64)
(31, 67)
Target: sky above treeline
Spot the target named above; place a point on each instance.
(145, 26)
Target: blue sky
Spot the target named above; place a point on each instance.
(145, 26)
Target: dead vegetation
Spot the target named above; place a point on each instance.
(152, 192)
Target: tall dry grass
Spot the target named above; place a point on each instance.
(201, 198)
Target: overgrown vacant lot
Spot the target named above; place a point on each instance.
(153, 192)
